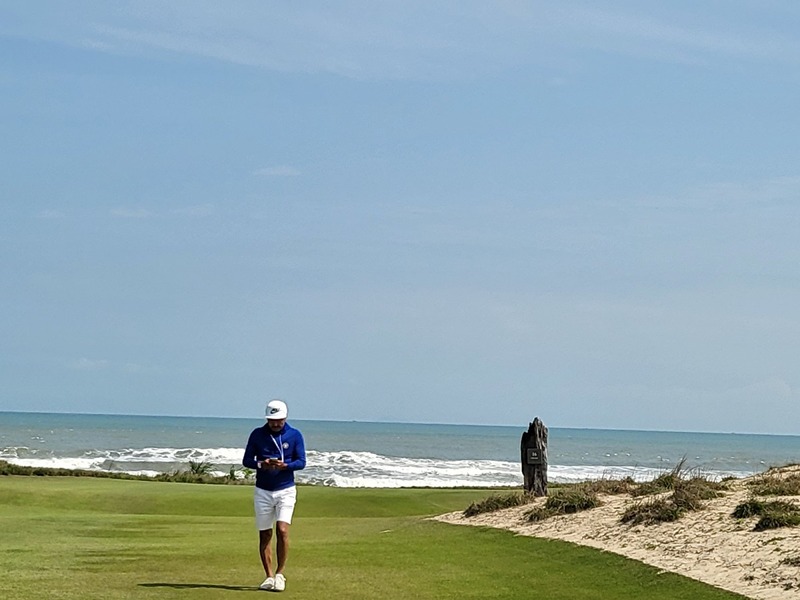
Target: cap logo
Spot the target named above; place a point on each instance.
(273, 410)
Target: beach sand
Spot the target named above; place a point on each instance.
(708, 545)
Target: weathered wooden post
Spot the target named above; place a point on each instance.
(533, 450)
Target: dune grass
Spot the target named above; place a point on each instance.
(495, 502)
(772, 514)
(71, 538)
(772, 484)
(565, 501)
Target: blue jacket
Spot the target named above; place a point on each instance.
(287, 445)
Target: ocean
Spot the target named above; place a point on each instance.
(360, 454)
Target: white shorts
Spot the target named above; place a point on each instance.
(274, 506)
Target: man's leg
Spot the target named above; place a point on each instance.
(265, 515)
(264, 539)
(285, 509)
(282, 545)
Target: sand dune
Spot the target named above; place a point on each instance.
(708, 545)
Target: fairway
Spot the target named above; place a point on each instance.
(80, 538)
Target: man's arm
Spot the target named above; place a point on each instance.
(298, 460)
(250, 458)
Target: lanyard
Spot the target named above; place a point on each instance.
(279, 444)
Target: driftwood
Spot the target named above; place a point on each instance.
(533, 451)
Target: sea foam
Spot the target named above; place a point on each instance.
(347, 469)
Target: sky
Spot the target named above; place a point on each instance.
(448, 212)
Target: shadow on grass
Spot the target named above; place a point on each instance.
(213, 586)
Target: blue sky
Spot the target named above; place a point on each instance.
(454, 212)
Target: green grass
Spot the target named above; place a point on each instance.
(77, 538)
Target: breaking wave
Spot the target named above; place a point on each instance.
(346, 469)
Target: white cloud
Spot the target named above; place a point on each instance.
(772, 387)
(414, 40)
(96, 45)
(775, 191)
(199, 210)
(131, 213)
(89, 364)
(682, 35)
(277, 171)
(50, 214)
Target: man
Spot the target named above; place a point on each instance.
(276, 450)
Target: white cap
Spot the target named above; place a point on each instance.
(276, 409)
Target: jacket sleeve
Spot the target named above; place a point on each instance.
(250, 457)
(298, 459)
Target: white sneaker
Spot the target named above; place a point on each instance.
(280, 582)
(269, 584)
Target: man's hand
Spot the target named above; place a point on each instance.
(271, 463)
